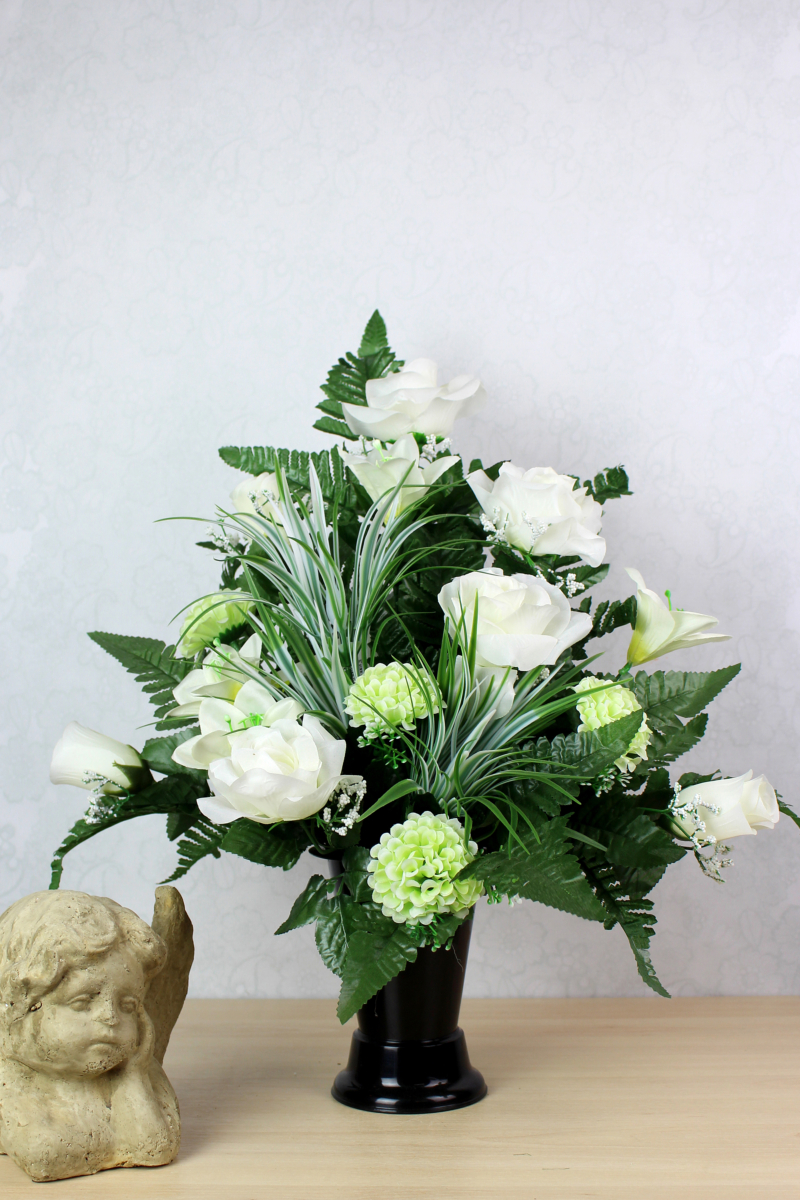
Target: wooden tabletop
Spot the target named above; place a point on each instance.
(610, 1099)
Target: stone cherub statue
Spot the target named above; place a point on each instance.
(88, 997)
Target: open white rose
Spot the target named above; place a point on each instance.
(258, 495)
(282, 773)
(219, 720)
(541, 511)
(383, 468)
(411, 401)
(222, 676)
(83, 758)
(745, 805)
(659, 630)
(523, 622)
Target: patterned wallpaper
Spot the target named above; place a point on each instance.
(593, 205)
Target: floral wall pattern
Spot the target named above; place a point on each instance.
(590, 205)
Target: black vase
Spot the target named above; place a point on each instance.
(408, 1054)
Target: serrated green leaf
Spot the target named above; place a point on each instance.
(592, 752)
(672, 741)
(177, 793)
(355, 862)
(278, 845)
(789, 812)
(151, 662)
(337, 428)
(608, 485)
(374, 338)
(309, 904)
(372, 960)
(328, 464)
(635, 917)
(202, 840)
(667, 695)
(548, 873)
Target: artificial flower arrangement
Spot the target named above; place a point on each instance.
(398, 674)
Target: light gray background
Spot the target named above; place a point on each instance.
(592, 205)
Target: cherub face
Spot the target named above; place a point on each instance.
(88, 1024)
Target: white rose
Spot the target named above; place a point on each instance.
(411, 401)
(83, 758)
(523, 622)
(745, 805)
(222, 675)
(541, 511)
(383, 468)
(282, 773)
(659, 630)
(258, 495)
(219, 720)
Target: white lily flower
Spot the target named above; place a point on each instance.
(660, 630)
(222, 675)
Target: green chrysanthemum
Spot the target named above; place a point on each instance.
(387, 698)
(609, 705)
(209, 618)
(414, 870)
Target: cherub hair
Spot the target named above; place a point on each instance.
(46, 934)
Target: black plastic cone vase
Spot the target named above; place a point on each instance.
(408, 1054)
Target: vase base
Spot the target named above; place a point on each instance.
(409, 1076)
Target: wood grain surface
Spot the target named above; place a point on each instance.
(610, 1099)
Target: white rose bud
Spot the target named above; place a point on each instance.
(284, 772)
(728, 808)
(523, 622)
(659, 630)
(382, 469)
(85, 759)
(411, 401)
(541, 512)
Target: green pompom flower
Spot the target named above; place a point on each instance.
(387, 698)
(609, 705)
(209, 618)
(414, 869)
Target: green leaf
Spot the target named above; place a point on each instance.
(548, 873)
(592, 752)
(635, 918)
(608, 484)
(337, 428)
(157, 753)
(374, 338)
(372, 960)
(665, 696)
(672, 741)
(309, 904)
(202, 840)
(347, 379)
(278, 845)
(789, 812)
(176, 794)
(151, 662)
(403, 788)
(328, 464)
(355, 862)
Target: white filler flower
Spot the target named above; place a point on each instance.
(541, 512)
(523, 622)
(411, 401)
